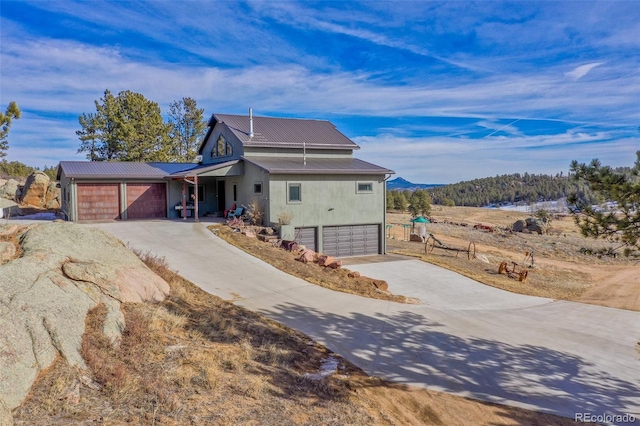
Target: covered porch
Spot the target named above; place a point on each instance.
(204, 191)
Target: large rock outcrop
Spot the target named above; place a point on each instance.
(64, 270)
(11, 190)
(8, 208)
(35, 189)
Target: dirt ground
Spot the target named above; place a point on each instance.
(566, 265)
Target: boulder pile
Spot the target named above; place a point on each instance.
(51, 275)
(530, 225)
(37, 191)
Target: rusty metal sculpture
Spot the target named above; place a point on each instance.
(516, 270)
(433, 243)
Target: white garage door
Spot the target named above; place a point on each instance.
(351, 240)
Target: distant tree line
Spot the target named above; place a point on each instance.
(417, 202)
(513, 188)
(16, 169)
(129, 127)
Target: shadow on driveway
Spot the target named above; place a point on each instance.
(415, 351)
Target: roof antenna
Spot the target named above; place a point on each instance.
(250, 122)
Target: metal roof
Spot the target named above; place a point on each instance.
(285, 132)
(119, 170)
(201, 169)
(295, 165)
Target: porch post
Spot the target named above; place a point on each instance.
(195, 193)
(184, 198)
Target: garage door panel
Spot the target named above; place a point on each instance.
(307, 237)
(98, 201)
(146, 200)
(351, 240)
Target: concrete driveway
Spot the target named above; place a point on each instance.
(465, 338)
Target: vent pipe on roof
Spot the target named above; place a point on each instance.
(250, 122)
(304, 153)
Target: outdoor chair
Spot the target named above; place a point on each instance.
(237, 213)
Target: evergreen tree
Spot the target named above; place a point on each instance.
(12, 112)
(622, 187)
(400, 201)
(188, 127)
(420, 203)
(127, 127)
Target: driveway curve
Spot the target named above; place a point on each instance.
(464, 338)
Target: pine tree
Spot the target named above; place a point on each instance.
(12, 112)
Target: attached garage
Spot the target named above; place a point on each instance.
(307, 237)
(98, 201)
(351, 240)
(146, 200)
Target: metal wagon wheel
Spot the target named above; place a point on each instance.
(471, 251)
(429, 245)
(522, 277)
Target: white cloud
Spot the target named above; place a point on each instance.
(579, 72)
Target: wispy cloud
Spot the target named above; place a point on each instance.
(579, 72)
(467, 83)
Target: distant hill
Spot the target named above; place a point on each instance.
(510, 189)
(402, 184)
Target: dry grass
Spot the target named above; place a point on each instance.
(196, 359)
(563, 268)
(333, 279)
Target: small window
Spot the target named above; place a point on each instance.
(364, 187)
(257, 188)
(235, 192)
(295, 193)
(201, 193)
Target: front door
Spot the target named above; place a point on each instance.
(220, 195)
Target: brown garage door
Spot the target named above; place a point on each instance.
(146, 200)
(351, 240)
(98, 201)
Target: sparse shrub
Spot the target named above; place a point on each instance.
(285, 217)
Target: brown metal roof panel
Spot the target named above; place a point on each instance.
(317, 166)
(118, 170)
(270, 131)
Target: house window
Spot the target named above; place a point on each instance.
(222, 148)
(235, 192)
(364, 187)
(257, 188)
(201, 193)
(295, 193)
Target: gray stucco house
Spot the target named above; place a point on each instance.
(300, 168)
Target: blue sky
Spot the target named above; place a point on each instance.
(440, 92)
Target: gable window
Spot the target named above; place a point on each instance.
(222, 148)
(364, 187)
(294, 193)
(257, 188)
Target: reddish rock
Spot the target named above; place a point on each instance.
(381, 285)
(307, 256)
(335, 265)
(35, 189)
(354, 274)
(325, 260)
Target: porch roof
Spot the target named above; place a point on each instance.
(218, 169)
